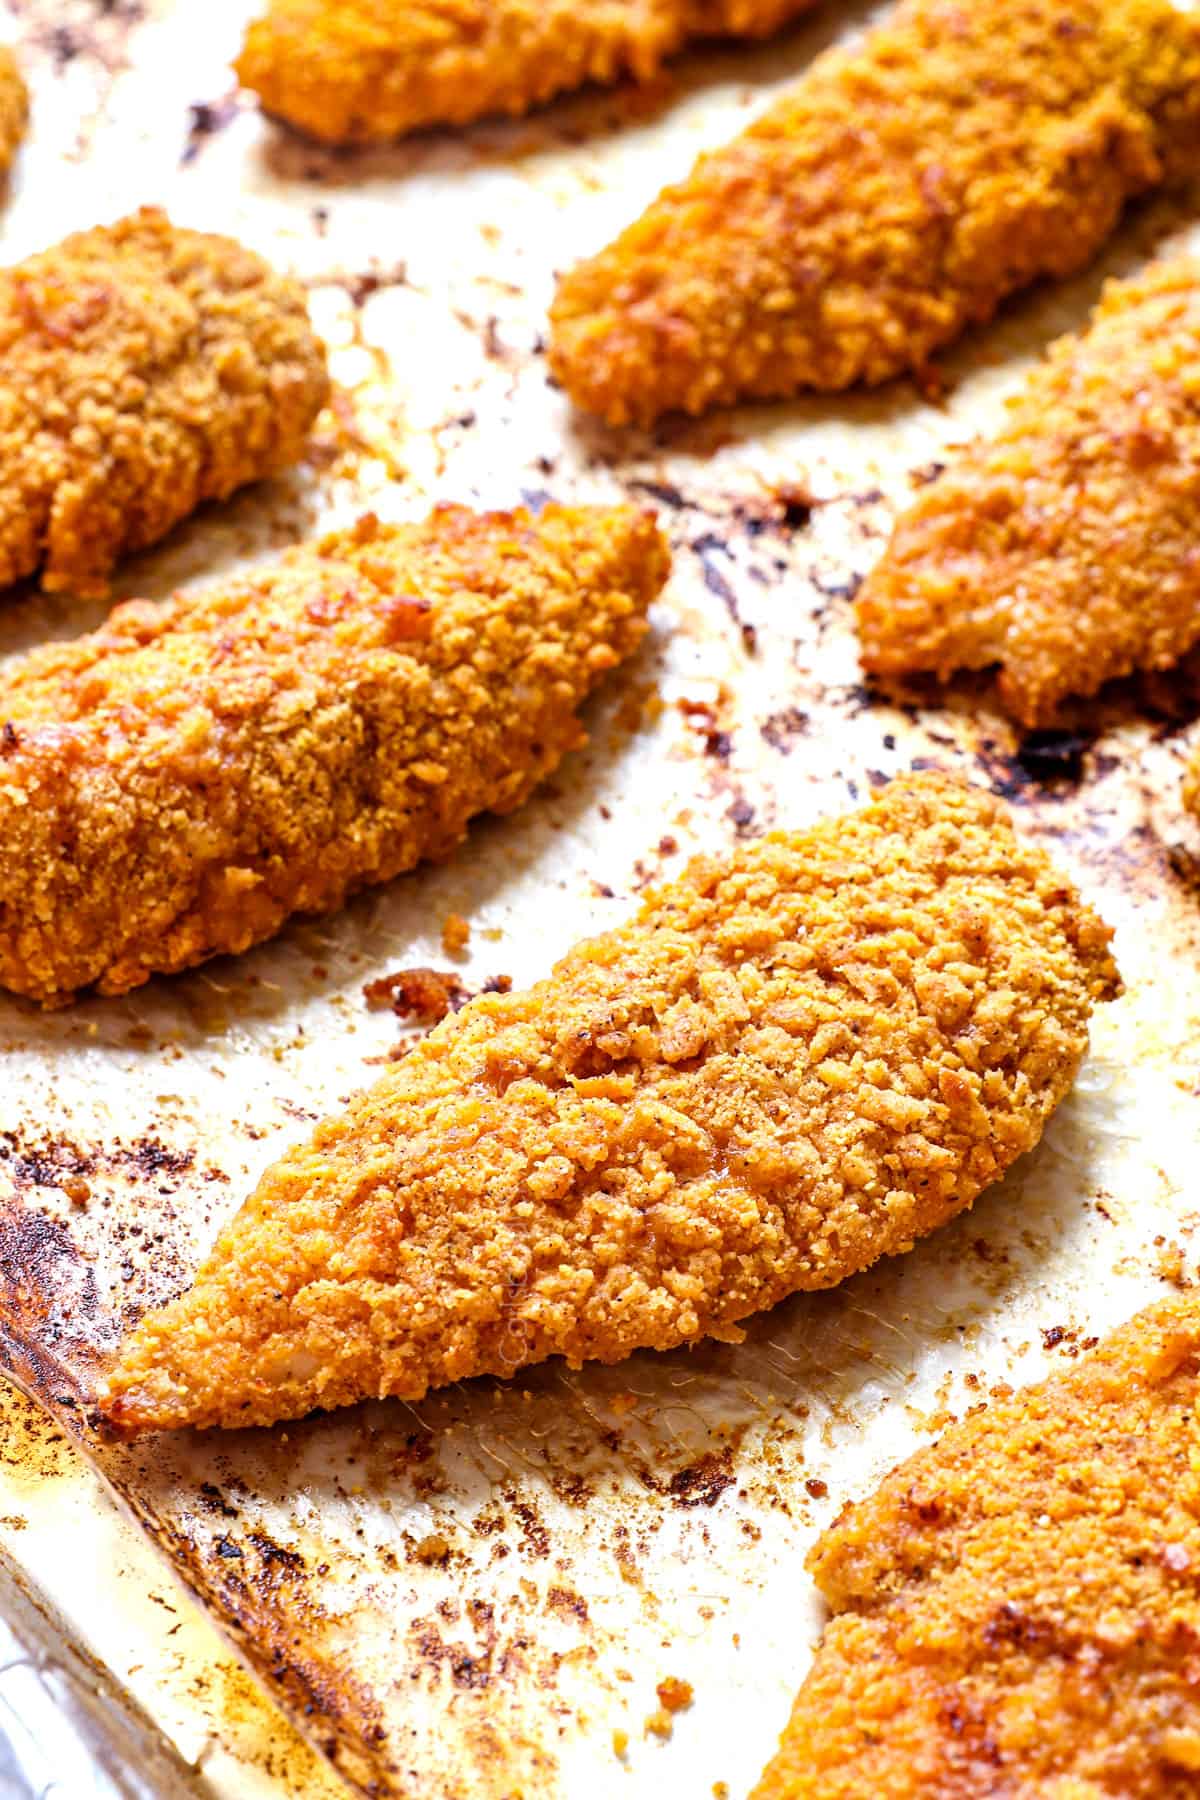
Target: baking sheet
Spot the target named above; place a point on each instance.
(479, 1595)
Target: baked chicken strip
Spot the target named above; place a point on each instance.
(180, 782)
(366, 71)
(895, 196)
(14, 107)
(1064, 549)
(143, 370)
(1017, 1610)
(789, 1064)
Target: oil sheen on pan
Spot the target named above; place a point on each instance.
(484, 1589)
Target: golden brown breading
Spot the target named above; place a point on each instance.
(1191, 783)
(788, 1065)
(897, 194)
(1017, 1607)
(179, 783)
(143, 369)
(14, 107)
(366, 71)
(1065, 548)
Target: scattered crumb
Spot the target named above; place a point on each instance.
(1171, 1265)
(675, 1695)
(77, 1190)
(620, 1742)
(456, 934)
(432, 1549)
(660, 1723)
(425, 994)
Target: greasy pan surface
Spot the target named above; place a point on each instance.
(478, 1592)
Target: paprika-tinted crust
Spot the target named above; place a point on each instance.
(1017, 1610)
(789, 1064)
(1063, 549)
(179, 783)
(367, 71)
(14, 107)
(143, 369)
(893, 197)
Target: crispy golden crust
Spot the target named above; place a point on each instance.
(179, 783)
(14, 107)
(898, 193)
(1065, 548)
(1191, 783)
(366, 71)
(788, 1065)
(143, 369)
(1018, 1612)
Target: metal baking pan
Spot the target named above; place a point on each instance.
(479, 1595)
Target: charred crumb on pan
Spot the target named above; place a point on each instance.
(360, 285)
(707, 547)
(782, 729)
(927, 473)
(704, 717)
(568, 1604)
(743, 815)
(837, 587)
(99, 32)
(470, 1668)
(699, 1483)
(213, 1500)
(535, 1538)
(35, 1164)
(663, 492)
(1044, 766)
(1051, 757)
(571, 1488)
(207, 119)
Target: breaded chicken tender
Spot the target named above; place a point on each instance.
(143, 370)
(366, 71)
(179, 783)
(1064, 549)
(14, 107)
(789, 1064)
(1017, 1609)
(895, 196)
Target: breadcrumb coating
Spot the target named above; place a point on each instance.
(895, 196)
(367, 71)
(1017, 1606)
(143, 369)
(1064, 549)
(14, 107)
(1191, 783)
(177, 784)
(789, 1064)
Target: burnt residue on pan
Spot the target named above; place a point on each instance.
(469, 1595)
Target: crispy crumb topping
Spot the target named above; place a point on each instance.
(1017, 1606)
(893, 197)
(179, 783)
(789, 1064)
